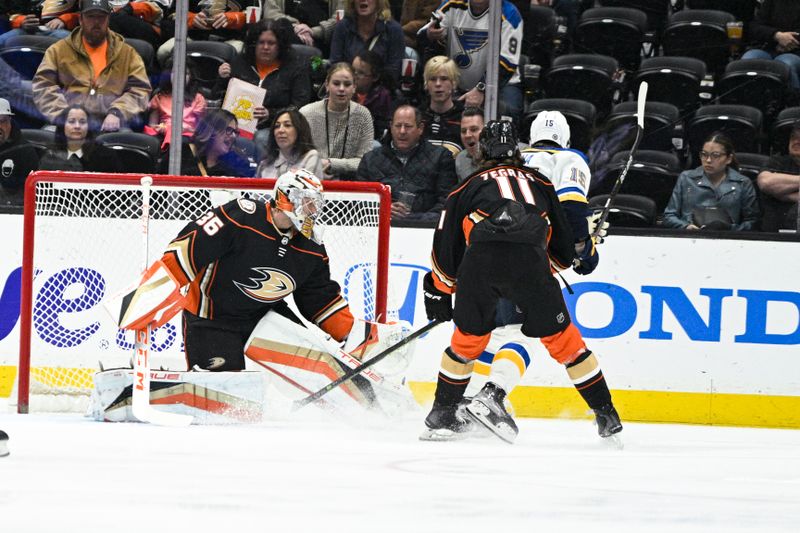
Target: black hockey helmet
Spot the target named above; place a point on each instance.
(499, 140)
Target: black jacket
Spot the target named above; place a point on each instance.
(98, 158)
(429, 172)
(289, 84)
(231, 164)
(18, 158)
(773, 16)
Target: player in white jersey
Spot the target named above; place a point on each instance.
(566, 168)
(464, 32)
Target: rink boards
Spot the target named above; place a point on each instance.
(687, 330)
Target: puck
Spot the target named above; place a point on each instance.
(3, 443)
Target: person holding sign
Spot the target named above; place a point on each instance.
(267, 62)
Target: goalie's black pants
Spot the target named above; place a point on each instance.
(218, 344)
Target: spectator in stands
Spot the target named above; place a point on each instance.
(442, 115)
(774, 35)
(208, 20)
(373, 89)
(409, 164)
(468, 159)
(779, 184)
(290, 146)
(94, 67)
(312, 20)
(415, 14)
(194, 106)
(211, 151)
(18, 157)
(268, 62)
(463, 34)
(75, 147)
(342, 129)
(138, 20)
(27, 17)
(714, 195)
(18, 92)
(368, 25)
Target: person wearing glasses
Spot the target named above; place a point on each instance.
(211, 150)
(714, 195)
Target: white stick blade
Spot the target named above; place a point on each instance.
(640, 104)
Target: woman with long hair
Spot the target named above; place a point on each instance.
(75, 148)
(714, 195)
(290, 146)
(211, 150)
(342, 129)
(268, 62)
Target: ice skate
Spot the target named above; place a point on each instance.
(446, 422)
(488, 409)
(3, 443)
(607, 419)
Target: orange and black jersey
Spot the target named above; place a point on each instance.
(238, 265)
(477, 198)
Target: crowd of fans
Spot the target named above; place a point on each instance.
(391, 91)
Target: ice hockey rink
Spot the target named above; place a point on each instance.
(309, 473)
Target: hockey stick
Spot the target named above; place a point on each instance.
(618, 184)
(359, 369)
(140, 400)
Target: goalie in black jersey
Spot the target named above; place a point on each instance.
(239, 262)
(502, 216)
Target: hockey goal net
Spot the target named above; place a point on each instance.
(83, 242)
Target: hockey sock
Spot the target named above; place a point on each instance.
(588, 379)
(453, 378)
(509, 365)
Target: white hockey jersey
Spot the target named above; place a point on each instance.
(467, 38)
(566, 168)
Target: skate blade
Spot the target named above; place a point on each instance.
(442, 435)
(613, 441)
(480, 414)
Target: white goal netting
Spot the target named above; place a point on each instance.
(83, 243)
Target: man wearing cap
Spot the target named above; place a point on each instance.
(96, 68)
(18, 157)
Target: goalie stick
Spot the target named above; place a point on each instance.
(638, 139)
(140, 401)
(359, 369)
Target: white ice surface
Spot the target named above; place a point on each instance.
(310, 474)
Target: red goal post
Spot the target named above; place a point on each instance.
(82, 242)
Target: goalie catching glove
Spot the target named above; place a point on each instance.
(438, 304)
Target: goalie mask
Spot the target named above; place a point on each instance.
(550, 126)
(499, 140)
(298, 193)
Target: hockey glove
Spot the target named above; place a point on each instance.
(593, 221)
(587, 258)
(438, 305)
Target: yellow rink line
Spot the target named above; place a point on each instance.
(750, 410)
